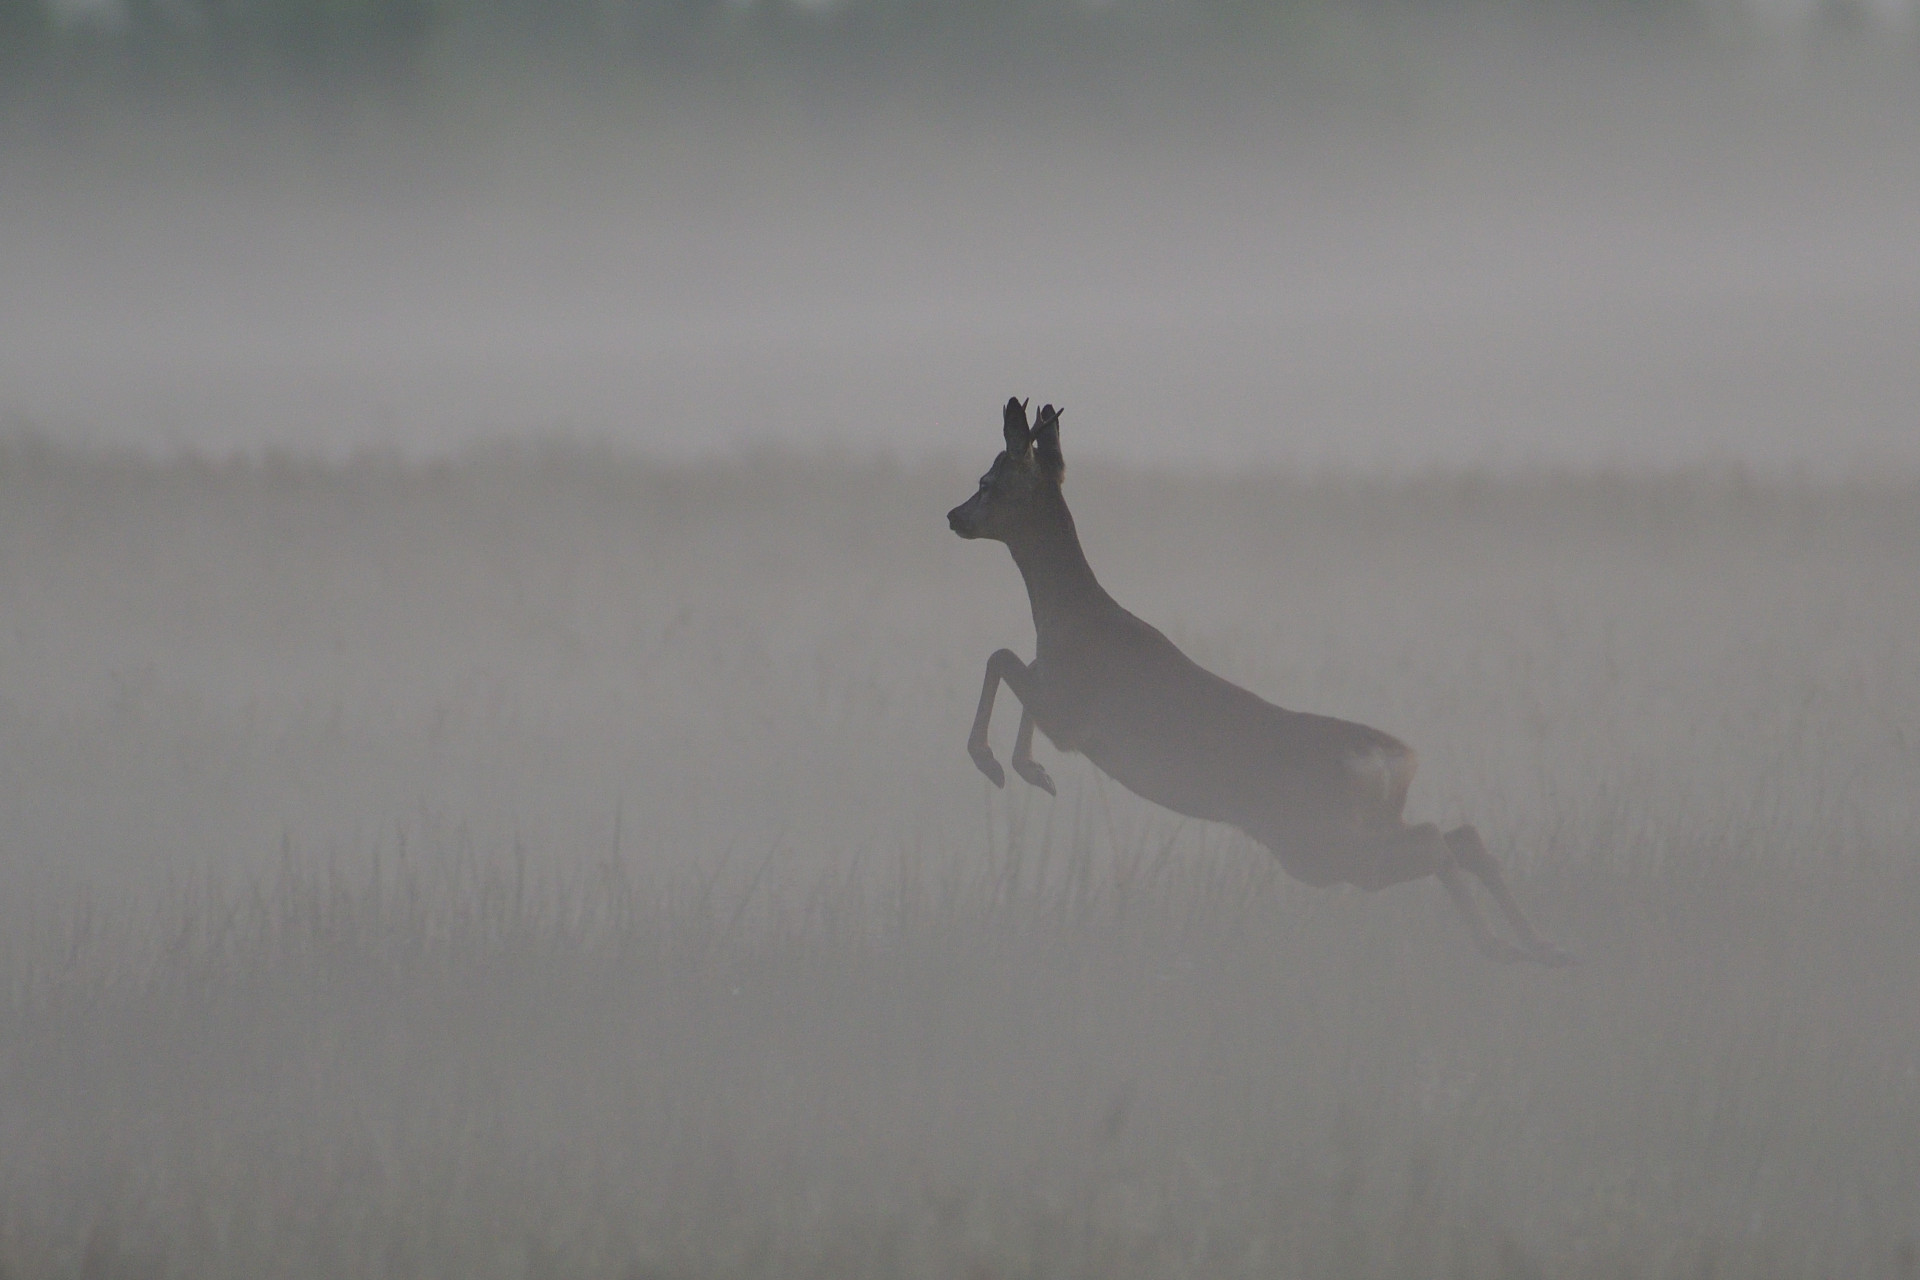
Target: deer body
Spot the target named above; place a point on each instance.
(1325, 795)
(1177, 734)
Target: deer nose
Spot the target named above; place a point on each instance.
(957, 520)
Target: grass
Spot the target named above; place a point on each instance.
(569, 868)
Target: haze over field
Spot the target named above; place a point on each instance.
(484, 673)
(558, 865)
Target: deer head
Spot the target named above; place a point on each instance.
(1022, 485)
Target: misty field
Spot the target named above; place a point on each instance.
(551, 864)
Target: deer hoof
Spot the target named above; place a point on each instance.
(1505, 952)
(1553, 957)
(988, 765)
(1035, 775)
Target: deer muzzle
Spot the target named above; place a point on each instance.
(965, 519)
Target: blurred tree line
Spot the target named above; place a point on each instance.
(237, 43)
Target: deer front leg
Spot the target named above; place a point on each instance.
(1023, 762)
(1005, 665)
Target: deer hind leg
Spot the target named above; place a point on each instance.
(1470, 854)
(1414, 853)
(1005, 664)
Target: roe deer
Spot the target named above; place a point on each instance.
(1324, 795)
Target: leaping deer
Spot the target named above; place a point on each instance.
(1324, 795)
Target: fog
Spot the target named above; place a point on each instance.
(1371, 239)
(484, 673)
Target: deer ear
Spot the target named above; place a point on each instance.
(1046, 442)
(1019, 439)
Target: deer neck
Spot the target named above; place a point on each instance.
(1060, 583)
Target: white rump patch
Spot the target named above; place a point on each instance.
(1379, 768)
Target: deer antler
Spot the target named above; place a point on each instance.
(1019, 438)
(1046, 442)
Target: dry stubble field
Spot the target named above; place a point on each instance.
(552, 864)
